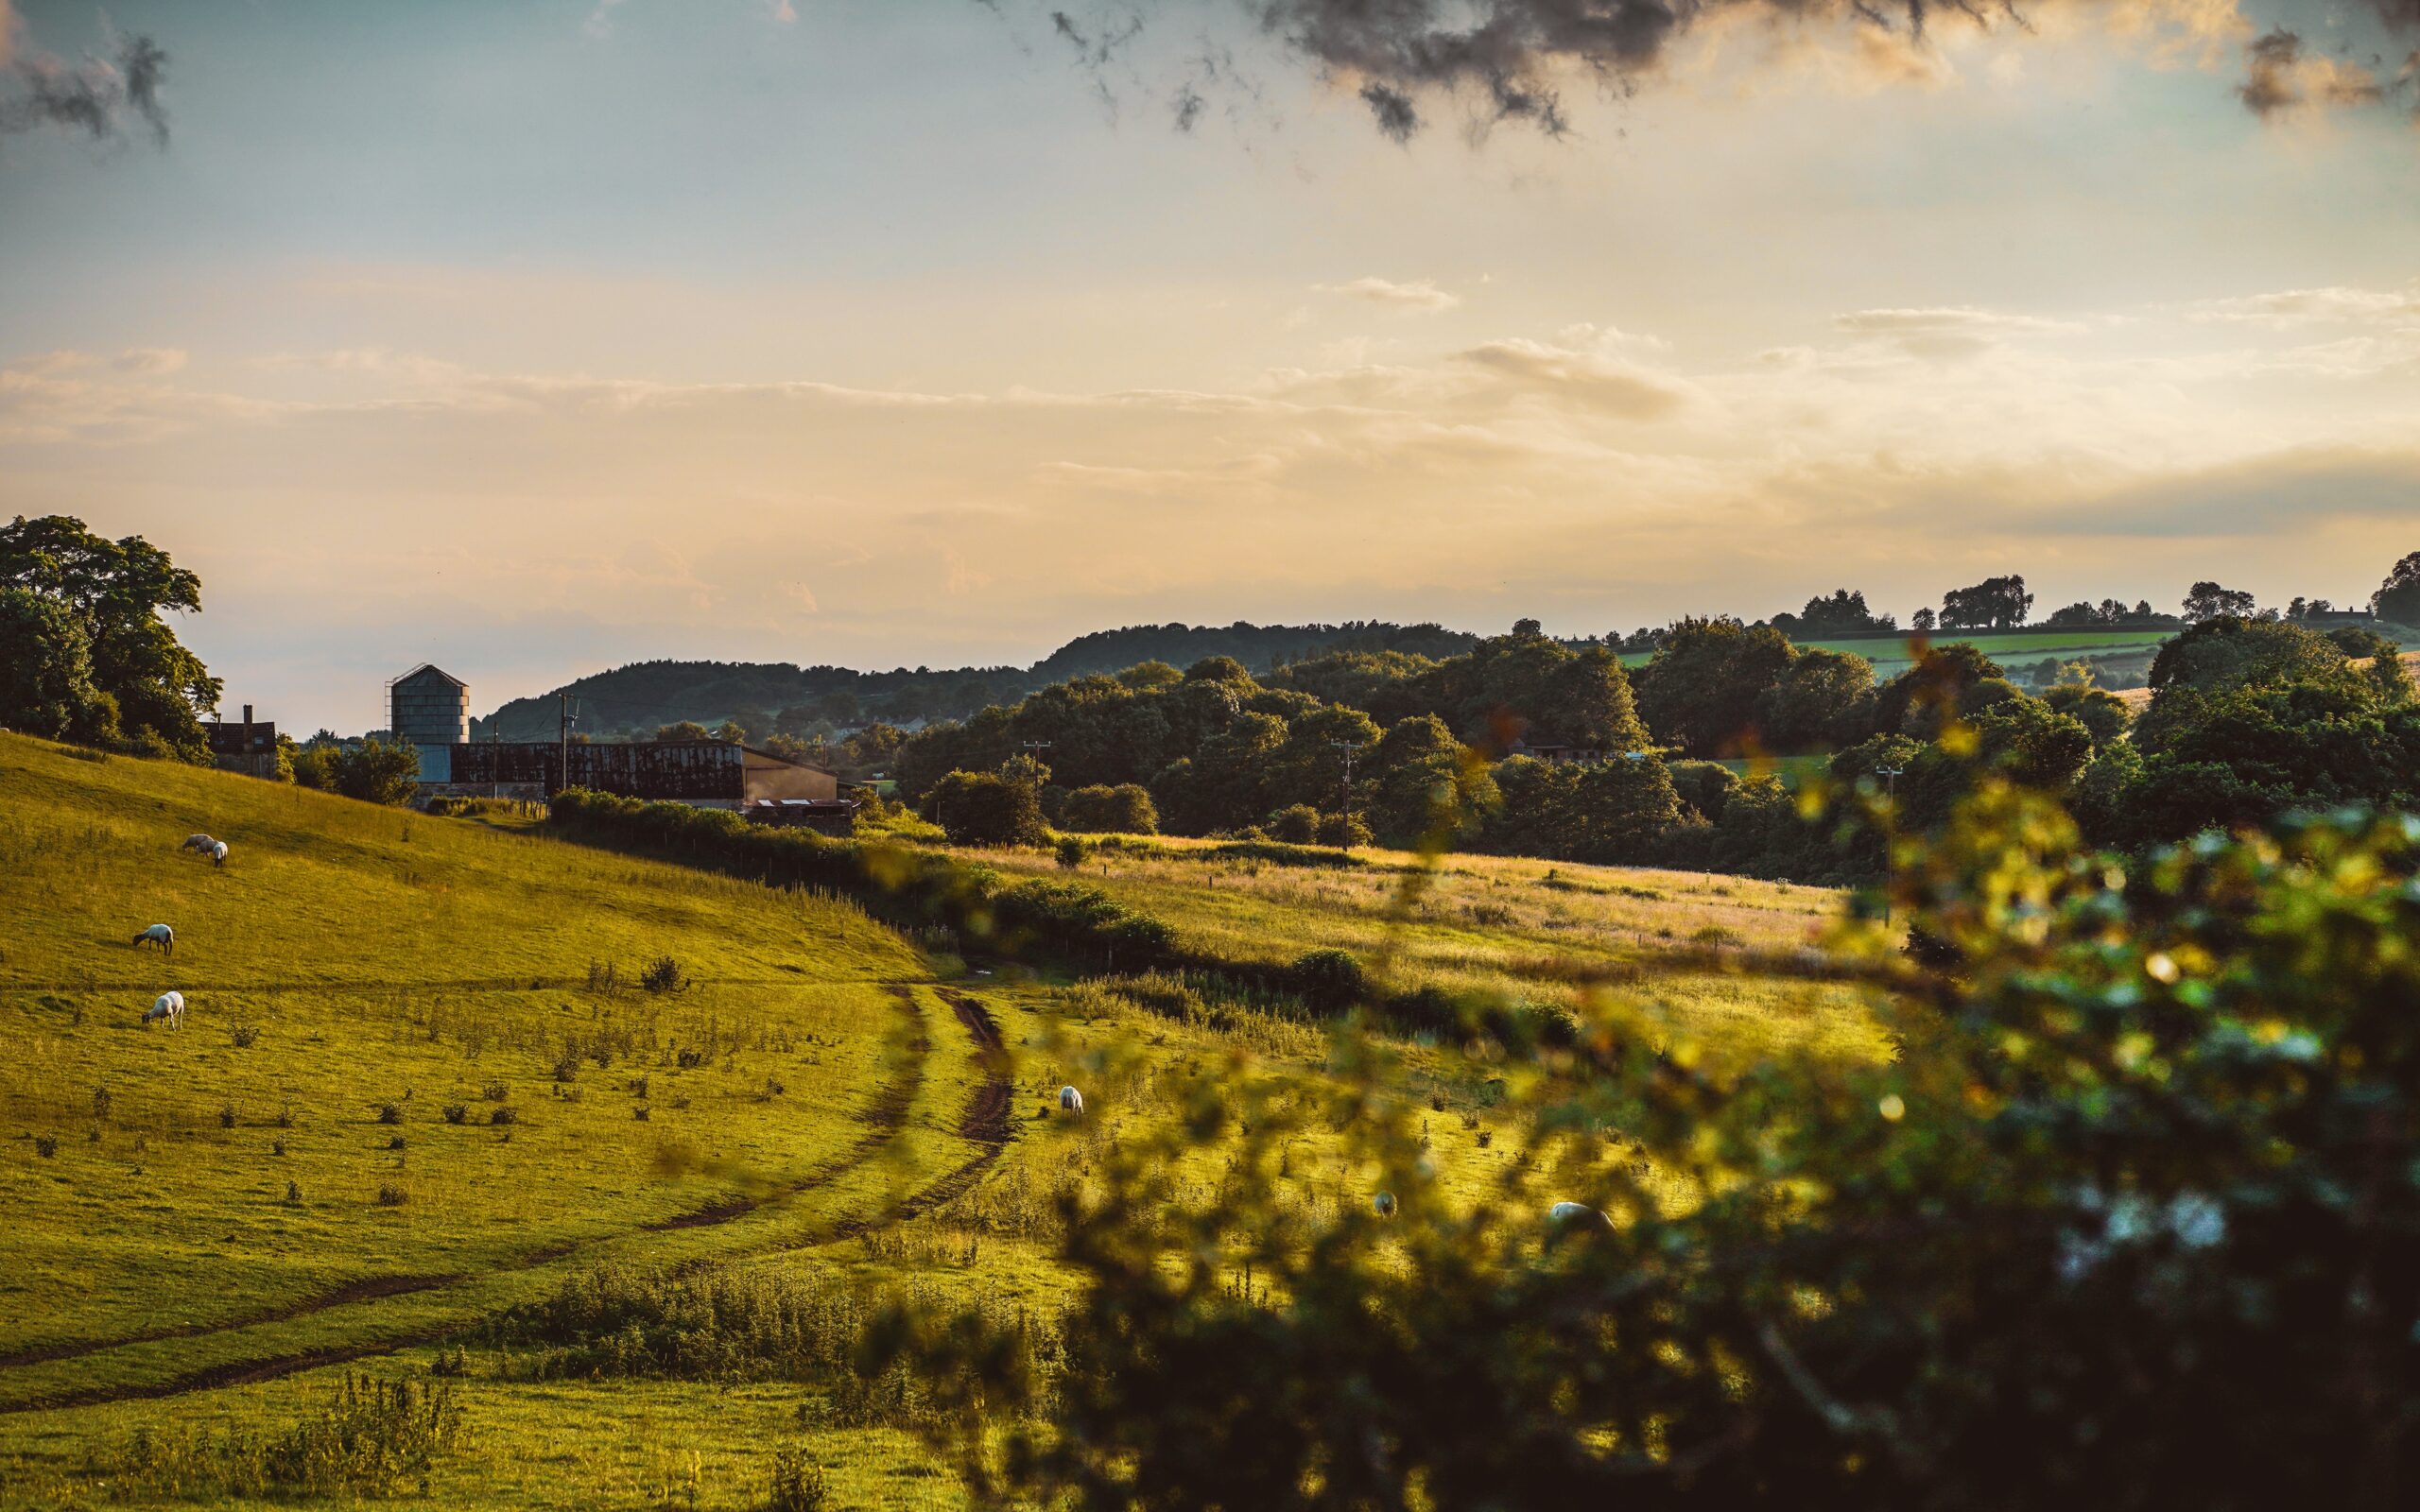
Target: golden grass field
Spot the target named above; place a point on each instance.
(202, 1227)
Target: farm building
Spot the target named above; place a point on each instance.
(428, 707)
(249, 748)
(709, 773)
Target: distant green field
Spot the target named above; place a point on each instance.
(201, 1229)
(2017, 646)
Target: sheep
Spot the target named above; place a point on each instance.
(1070, 1100)
(1383, 1203)
(1572, 1217)
(218, 852)
(159, 935)
(168, 1006)
(197, 842)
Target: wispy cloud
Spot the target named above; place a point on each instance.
(1944, 332)
(1422, 294)
(2316, 306)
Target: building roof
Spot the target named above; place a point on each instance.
(804, 766)
(426, 667)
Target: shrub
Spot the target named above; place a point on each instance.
(641, 1112)
(494, 1091)
(371, 1438)
(277, 1146)
(293, 1192)
(454, 1112)
(46, 1145)
(985, 808)
(503, 1115)
(1296, 824)
(1331, 980)
(799, 1485)
(663, 974)
(395, 1144)
(390, 1112)
(390, 1196)
(227, 1115)
(1344, 831)
(1126, 809)
(1073, 851)
(245, 1034)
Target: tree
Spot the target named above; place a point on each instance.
(1819, 704)
(685, 729)
(1424, 784)
(2208, 601)
(985, 809)
(1922, 622)
(47, 671)
(374, 771)
(1994, 603)
(1699, 693)
(2398, 597)
(2100, 711)
(1844, 611)
(731, 732)
(2228, 651)
(115, 592)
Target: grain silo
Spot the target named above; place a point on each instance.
(429, 709)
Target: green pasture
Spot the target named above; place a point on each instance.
(204, 1228)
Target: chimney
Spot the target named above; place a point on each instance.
(247, 717)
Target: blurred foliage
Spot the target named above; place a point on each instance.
(2132, 1220)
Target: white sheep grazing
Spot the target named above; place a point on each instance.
(1569, 1217)
(168, 1006)
(218, 852)
(1383, 1203)
(159, 935)
(1070, 1100)
(197, 842)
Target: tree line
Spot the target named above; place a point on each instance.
(2248, 717)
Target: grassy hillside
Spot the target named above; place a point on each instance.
(1714, 958)
(202, 1230)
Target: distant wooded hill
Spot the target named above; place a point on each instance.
(762, 695)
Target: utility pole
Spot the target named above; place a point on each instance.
(1890, 836)
(1344, 789)
(562, 741)
(1034, 762)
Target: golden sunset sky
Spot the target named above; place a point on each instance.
(533, 338)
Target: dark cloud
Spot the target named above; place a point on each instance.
(2280, 76)
(100, 97)
(1507, 61)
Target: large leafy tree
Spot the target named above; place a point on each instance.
(46, 671)
(2398, 597)
(1994, 604)
(1701, 690)
(115, 592)
(2208, 601)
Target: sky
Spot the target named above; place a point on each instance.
(534, 338)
